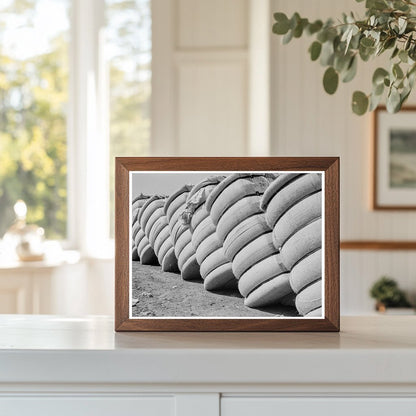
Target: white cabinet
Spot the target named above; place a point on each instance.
(324, 406)
(203, 405)
(80, 366)
(88, 406)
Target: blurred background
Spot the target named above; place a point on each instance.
(83, 81)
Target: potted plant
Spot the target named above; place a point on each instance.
(387, 294)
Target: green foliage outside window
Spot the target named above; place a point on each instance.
(34, 104)
(33, 100)
(129, 44)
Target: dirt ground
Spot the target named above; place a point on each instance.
(166, 294)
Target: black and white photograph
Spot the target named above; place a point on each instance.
(226, 244)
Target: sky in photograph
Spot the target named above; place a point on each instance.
(164, 183)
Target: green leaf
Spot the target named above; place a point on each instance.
(402, 24)
(330, 80)
(411, 77)
(327, 53)
(352, 31)
(394, 26)
(397, 71)
(408, 42)
(375, 34)
(359, 103)
(389, 43)
(332, 33)
(412, 70)
(298, 30)
(403, 56)
(374, 101)
(393, 101)
(337, 48)
(403, 96)
(315, 50)
(400, 85)
(412, 52)
(281, 27)
(366, 48)
(395, 52)
(350, 18)
(322, 36)
(294, 20)
(355, 41)
(379, 75)
(314, 27)
(376, 4)
(365, 54)
(351, 71)
(288, 37)
(345, 35)
(400, 5)
(382, 19)
(378, 89)
(367, 42)
(341, 61)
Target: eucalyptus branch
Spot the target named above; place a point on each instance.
(388, 25)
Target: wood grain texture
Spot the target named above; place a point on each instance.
(331, 250)
(122, 244)
(330, 165)
(378, 245)
(376, 204)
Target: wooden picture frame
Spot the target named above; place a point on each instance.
(133, 170)
(390, 189)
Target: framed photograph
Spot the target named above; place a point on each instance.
(227, 244)
(394, 159)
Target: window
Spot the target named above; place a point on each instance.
(33, 104)
(129, 43)
(75, 87)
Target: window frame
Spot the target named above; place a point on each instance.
(87, 133)
(87, 128)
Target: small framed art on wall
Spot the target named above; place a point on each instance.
(227, 244)
(394, 159)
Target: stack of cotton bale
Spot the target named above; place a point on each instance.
(181, 234)
(137, 203)
(293, 207)
(216, 269)
(155, 225)
(234, 207)
(144, 250)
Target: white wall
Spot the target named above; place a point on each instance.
(308, 122)
(203, 105)
(200, 77)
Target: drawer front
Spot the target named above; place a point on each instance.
(88, 406)
(274, 406)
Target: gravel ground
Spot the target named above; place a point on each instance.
(166, 294)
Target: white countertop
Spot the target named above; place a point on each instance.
(52, 349)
